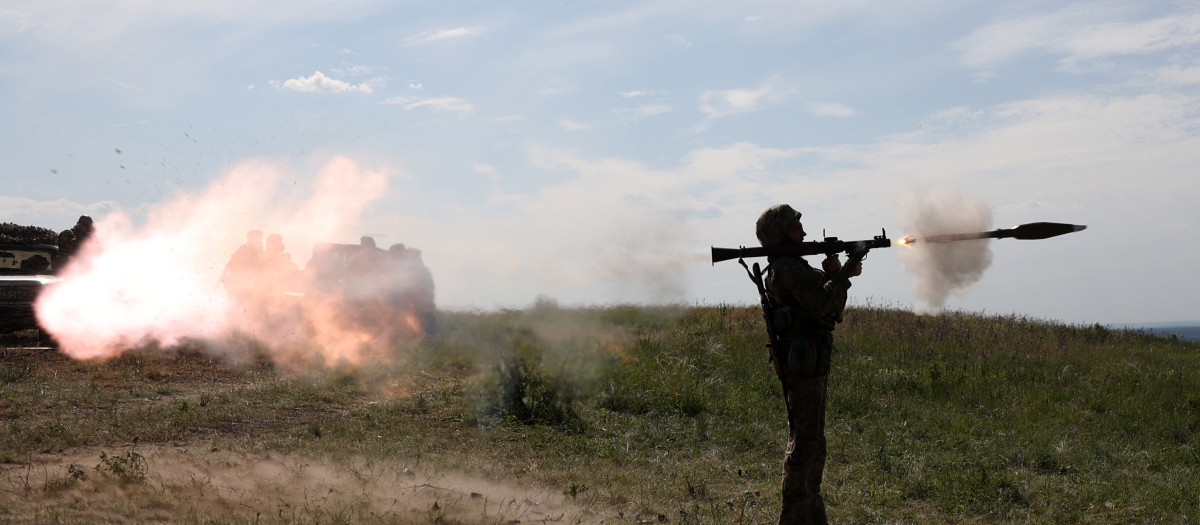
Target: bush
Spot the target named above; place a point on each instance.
(129, 467)
(524, 393)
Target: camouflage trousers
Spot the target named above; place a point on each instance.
(804, 462)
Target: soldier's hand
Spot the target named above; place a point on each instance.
(857, 271)
(831, 264)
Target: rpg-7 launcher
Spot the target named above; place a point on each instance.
(831, 245)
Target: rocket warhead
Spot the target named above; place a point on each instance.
(1037, 231)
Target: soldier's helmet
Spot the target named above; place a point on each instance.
(83, 227)
(773, 224)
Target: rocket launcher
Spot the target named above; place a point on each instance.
(828, 246)
(858, 249)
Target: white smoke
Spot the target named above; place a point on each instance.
(940, 269)
(157, 283)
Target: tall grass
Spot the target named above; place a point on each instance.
(673, 413)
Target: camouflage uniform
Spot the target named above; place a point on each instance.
(808, 305)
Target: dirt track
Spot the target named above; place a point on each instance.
(172, 484)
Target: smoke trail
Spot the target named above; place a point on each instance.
(940, 269)
(159, 283)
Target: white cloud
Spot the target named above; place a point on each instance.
(571, 125)
(57, 214)
(1178, 75)
(352, 70)
(1103, 40)
(451, 104)
(443, 34)
(319, 83)
(724, 103)
(680, 40)
(13, 21)
(488, 171)
(70, 24)
(639, 112)
(635, 93)
(654, 109)
(1110, 162)
(553, 91)
(1079, 34)
(619, 230)
(831, 109)
(116, 82)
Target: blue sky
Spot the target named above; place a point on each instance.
(591, 152)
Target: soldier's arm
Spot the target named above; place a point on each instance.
(813, 293)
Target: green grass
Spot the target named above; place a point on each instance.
(672, 413)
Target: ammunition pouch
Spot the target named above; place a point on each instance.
(792, 325)
(809, 355)
(783, 319)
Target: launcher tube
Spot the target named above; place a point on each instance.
(828, 246)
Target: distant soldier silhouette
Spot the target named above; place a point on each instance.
(245, 266)
(809, 304)
(276, 260)
(364, 289)
(277, 265)
(364, 270)
(412, 284)
(69, 241)
(278, 285)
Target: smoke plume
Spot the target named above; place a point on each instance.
(940, 269)
(167, 281)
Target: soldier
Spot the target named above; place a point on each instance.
(244, 266)
(70, 240)
(277, 265)
(275, 257)
(364, 289)
(808, 305)
(412, 284)
(364, 268)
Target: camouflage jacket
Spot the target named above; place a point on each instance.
(805, 300)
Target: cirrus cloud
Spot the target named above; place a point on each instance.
(831, 109)
(639, 112)
(443, 34)
(729, 102)
(1079, 34)
(451, 104)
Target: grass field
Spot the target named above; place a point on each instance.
(613, 415)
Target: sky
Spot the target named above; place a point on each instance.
(590, 153)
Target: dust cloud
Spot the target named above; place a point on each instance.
(180, 484)
(166, 281)
(941, 269)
